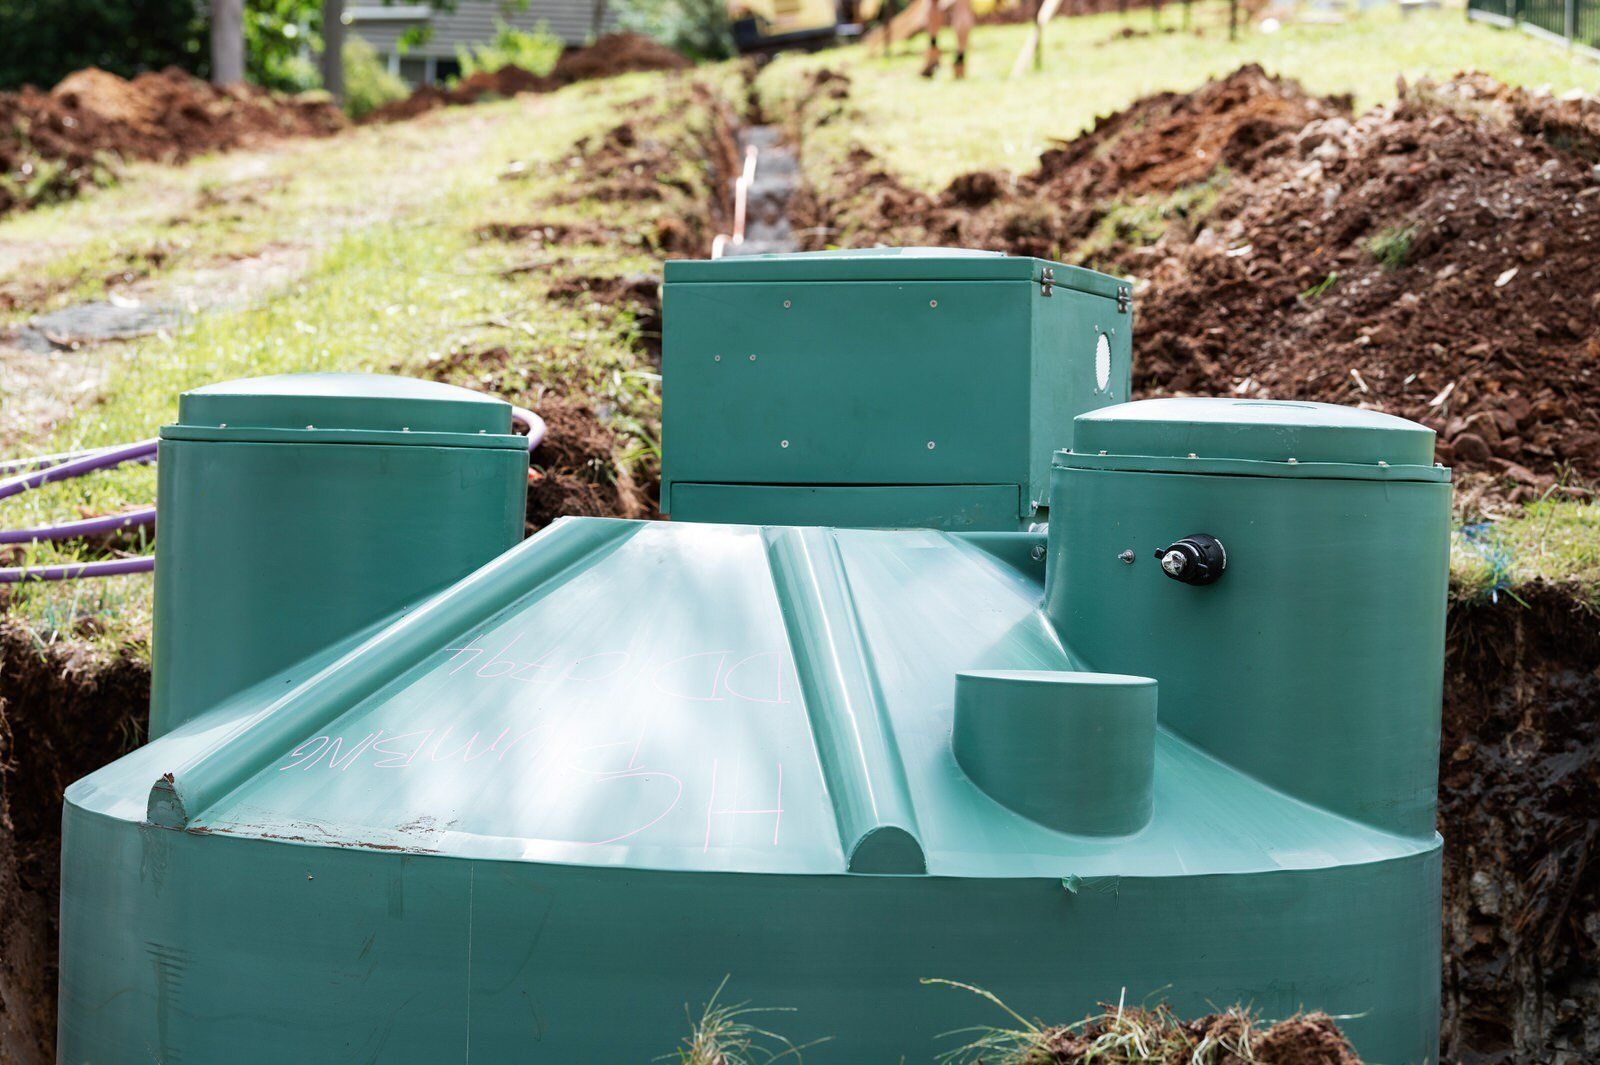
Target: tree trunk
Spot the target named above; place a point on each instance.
(333, 48)
(227, 42)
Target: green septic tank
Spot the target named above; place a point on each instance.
(1182, 747)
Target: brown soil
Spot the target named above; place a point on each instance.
(65, 710)
(607, 57)
(1520, 814)
(54, 142)
(1437, 258)
(637, 295)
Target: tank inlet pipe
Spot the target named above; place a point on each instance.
(532, 423)
(741, 204)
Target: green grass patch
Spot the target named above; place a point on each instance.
(1391, 247)
(1553, 541)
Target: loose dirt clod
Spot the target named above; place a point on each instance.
(52, 143)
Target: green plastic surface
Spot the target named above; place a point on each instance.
(1074, 751)
(533, 815)
(880, 371)
(892, 264)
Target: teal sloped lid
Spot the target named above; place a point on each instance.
(890, 264)
(372, 407)
(1216, 435)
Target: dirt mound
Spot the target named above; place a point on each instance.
(608, 56)
(613, 54)
(51, 143)
(1427, 260)
(1173, 139)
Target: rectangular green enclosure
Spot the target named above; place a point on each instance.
(886, 388)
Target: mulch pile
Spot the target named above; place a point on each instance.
(52, 143)
(1438, 258)
(608, 56)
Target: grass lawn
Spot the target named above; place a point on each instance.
(930, 131)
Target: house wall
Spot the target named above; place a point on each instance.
(472, 21)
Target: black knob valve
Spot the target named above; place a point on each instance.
(1197, 559)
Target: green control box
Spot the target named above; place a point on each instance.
(889, 387)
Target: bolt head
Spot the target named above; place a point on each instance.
(1173, 562)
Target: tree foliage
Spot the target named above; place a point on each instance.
(41, 41)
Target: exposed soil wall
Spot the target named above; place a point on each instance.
(65, 710)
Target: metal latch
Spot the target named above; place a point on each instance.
(1124, 299)
(1047, 278)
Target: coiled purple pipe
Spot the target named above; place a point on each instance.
(73, 530)
(143, 451)
(106, 568)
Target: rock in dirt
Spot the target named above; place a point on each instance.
(52, 143)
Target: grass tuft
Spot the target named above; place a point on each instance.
(724, 1035)
(1391, 247)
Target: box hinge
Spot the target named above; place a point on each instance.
(1124, 299)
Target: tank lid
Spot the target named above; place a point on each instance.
(374, 408)
(1272, 437)
(892, 264)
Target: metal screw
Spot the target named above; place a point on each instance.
(1127, 557)
(933, 303)
(787, 305)
(716, 358)
(930, 445)
(752, 358)
(783, 443)
(1037, 553)
(1173, 562)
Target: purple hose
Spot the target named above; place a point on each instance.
(143, 451)
(73, 530)
(533, 423)
(107, 568)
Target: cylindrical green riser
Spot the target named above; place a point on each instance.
(1314, 664)
(269, 552)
